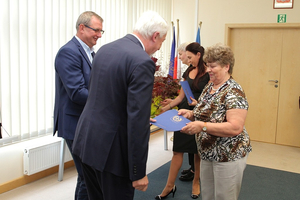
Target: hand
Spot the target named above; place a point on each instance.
(192, 128)
(165, 108)
(165, 102)
(186, 113)
(194, 102)
(141, 184)
(152, 120)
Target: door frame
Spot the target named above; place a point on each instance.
(230, 27)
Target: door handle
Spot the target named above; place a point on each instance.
(275, 81)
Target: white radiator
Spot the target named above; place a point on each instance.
(39, 158)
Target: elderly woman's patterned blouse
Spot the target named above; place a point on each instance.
(212, 108)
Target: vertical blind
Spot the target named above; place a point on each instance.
(32, 32)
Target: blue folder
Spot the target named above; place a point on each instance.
(170, 121)
(187, 90)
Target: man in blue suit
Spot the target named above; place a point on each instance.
(73, 66)
(113, 130)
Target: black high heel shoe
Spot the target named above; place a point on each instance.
(195, 196)
(172, 191)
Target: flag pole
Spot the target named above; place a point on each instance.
(172, 27)
(178, 62)
(172, 55)
(171, 35)
(196, 15)
(177, 33)
(0, 125)
(200, 24)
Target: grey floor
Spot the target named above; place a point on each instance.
(264, 155)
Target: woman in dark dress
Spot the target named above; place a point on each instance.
(197, 78)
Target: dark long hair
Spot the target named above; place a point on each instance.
(194, 48)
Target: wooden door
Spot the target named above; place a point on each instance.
(266, 54)
(288, 123)
(257, 60)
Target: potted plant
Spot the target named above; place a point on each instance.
(163, 88)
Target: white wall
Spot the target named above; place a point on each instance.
(11, 157)
(185, 11)
(214, 14)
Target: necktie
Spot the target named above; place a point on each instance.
(93, 55)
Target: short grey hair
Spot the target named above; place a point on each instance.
(220, 54)
(85, 18)
(182, 46)
(149, 23)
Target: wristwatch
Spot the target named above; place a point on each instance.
(204, 129)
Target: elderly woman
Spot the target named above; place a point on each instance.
(219, 117)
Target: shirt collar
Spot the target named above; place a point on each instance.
(139, 40)
(85, 46)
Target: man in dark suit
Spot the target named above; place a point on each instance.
(72, 66)
(113, 131)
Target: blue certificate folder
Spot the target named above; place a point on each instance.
(187, 90)
(170, 121)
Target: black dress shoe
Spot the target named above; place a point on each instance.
(187, 177)
(185, 171)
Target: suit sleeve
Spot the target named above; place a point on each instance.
(68, 65)
(138, 111)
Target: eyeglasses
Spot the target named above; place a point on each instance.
(96, 30)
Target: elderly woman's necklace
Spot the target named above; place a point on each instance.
(213, 89)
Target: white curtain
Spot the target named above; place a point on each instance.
(31, 33)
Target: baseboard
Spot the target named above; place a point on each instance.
(28, 179)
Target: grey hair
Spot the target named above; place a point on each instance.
(149, 23)
(85, 18)
(220, 54)
(182, 46)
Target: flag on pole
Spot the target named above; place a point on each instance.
(198, 36)
(177, 64)
(172, 57)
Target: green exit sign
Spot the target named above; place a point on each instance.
(281, 18)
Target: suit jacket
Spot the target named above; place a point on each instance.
(113, 131)
(72, 74)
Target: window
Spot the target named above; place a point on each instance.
(31, 34)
